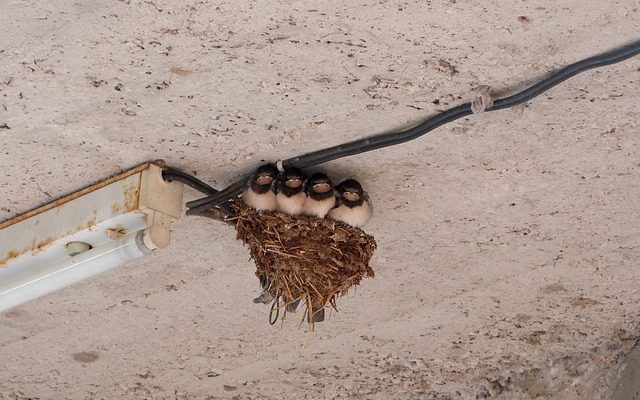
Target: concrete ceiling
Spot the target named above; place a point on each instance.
(508, 241)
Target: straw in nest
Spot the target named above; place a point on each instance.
(304, 258)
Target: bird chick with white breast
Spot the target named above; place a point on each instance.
(354, 206)
(320, 196)
(260, 194)
(290, 195)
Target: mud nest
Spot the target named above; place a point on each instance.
(302, 258)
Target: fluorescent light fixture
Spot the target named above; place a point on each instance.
(85, 233)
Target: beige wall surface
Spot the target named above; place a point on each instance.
(509, 241)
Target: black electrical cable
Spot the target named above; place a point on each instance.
(199, 205)
(389, 139)
(172, 174)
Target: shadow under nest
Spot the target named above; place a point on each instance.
(301, 258)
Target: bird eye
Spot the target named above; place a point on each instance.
(264, 180)
(293, 183)
(321, 187)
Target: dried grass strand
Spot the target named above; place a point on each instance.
(305, 258)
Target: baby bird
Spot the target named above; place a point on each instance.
(354, 207)
(290, 195)
(320, 196)
(260, 195)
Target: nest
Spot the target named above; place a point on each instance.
(304, 258)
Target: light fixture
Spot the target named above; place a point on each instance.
(87, 232)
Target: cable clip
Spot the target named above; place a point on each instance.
(483, 100)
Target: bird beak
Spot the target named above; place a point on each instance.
(293, 183)
(321, 187)
(351, 196)
(264, 180)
